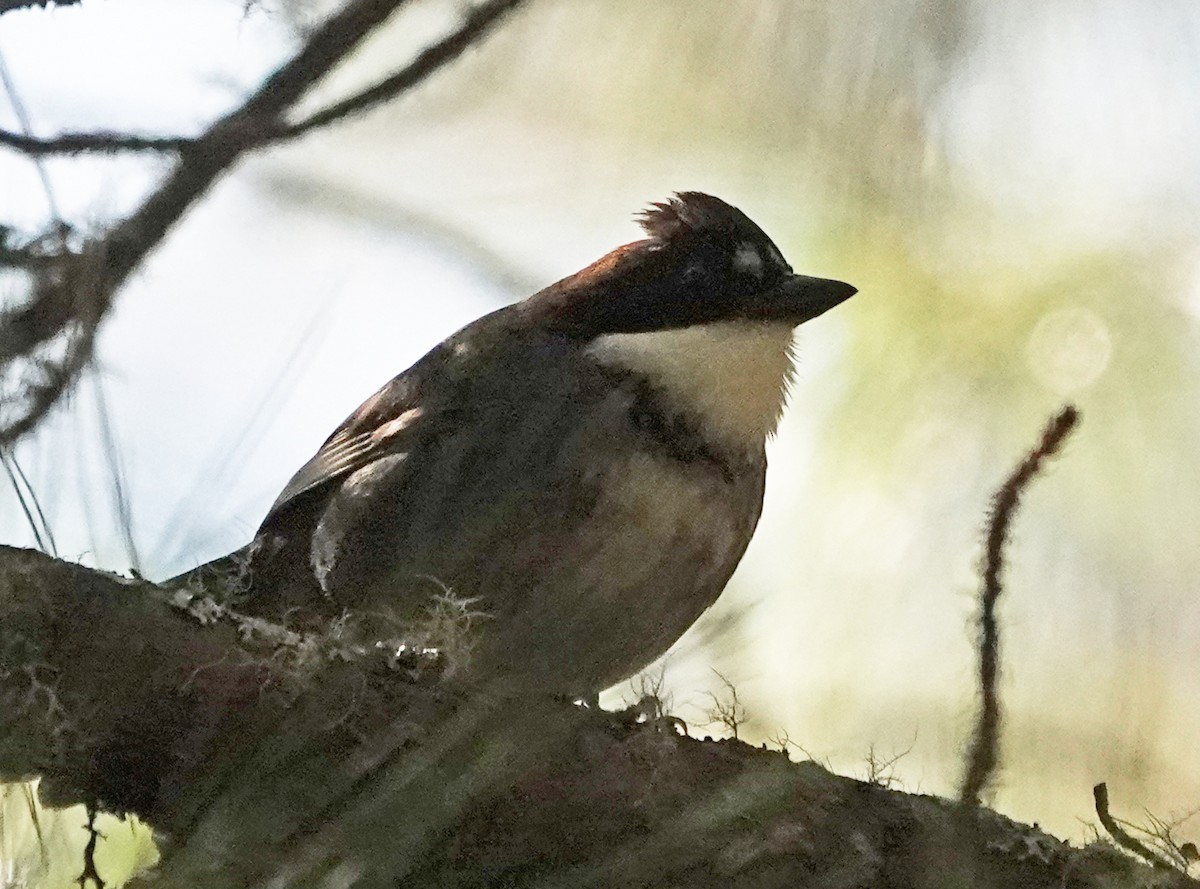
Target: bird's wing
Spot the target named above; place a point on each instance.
(379, 427)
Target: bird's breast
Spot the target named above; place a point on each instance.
(606, 571)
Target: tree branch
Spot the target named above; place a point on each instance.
(71, 298)
(54, 331)
(478, 22)
(268, 757)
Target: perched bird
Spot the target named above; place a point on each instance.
(583, 469)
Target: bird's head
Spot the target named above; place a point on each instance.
(703, 309)
(703, 262)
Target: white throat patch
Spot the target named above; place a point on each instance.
(732, 376)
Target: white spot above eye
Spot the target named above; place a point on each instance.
(748, 259)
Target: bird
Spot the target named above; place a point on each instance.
(568, 482)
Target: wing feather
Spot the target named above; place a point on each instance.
(378, 428)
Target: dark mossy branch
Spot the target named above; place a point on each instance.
(268, 757)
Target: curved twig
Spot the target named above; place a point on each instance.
(477, 23)
(1121, 836)
(983, 756)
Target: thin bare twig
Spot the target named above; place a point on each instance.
(85, 143)
(18, 107)
(117, 477)
(728, 711)
(477, 23)
(1161, 832)
(881, 769)
(31, 505)
(984, 755)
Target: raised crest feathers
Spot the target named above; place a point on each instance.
(689, 212)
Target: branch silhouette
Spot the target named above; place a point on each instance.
(476, 25)
(47, 341)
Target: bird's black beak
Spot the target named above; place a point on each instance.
(800, 298)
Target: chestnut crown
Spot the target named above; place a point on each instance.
(704, 261)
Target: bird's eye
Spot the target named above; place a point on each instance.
(748, 261)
